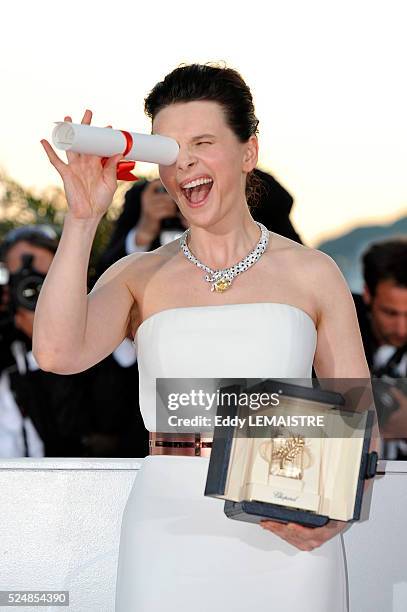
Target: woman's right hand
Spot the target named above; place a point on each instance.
(89, 185)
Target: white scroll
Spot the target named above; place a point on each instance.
(106, 142)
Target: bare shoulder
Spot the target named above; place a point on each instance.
(321, 287)
(123, 284)
(326, 282)
(324, 272)
(315, 272)
(135, 268)
(121, 271)
(316, 264)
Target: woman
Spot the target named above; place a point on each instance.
(273, 319)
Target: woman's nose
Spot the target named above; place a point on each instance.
(185, 159)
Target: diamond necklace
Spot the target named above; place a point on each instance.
(222, 279)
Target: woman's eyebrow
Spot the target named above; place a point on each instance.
(202, 136)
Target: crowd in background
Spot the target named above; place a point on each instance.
(95, 413)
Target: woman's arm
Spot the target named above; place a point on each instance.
(339, 352)
(72, 331)
(339, 355)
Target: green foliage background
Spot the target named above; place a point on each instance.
(21, 206)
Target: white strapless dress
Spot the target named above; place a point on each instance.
(178, 550)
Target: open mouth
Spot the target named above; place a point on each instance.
(197, 191)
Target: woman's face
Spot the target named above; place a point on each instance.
(208, 178)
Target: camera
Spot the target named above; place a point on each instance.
(19, 290)
(384, 399)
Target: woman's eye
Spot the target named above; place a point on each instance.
(203, 142)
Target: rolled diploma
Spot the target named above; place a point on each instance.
(106, 142)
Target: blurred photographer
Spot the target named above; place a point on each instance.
(160, 219)
(21, 432)
(382, 313)
(86, 414)
(21, 281)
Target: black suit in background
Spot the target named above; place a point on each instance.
(273, 210)
(100, 403)
(368, 339)
(370, 345)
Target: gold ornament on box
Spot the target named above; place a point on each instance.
(287, 457)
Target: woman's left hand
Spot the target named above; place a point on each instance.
(304, 538)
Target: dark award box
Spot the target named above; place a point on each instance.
(306, 475)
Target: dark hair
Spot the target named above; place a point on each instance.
(386, 260)
(42, 236)
(211, 83)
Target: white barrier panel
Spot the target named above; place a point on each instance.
(61, 520)
(376, 550)
(60, 527)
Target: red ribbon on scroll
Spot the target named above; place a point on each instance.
(124, 167)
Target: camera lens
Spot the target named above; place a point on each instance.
(28, 291)
(25, 285)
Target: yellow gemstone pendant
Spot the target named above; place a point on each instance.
(222, 279)
(221, 285)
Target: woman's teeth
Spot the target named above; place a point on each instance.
(201, 181)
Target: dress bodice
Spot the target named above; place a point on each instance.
(254, 340)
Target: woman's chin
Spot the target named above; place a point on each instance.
(193, 211)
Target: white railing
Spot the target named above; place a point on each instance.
(60, 529)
